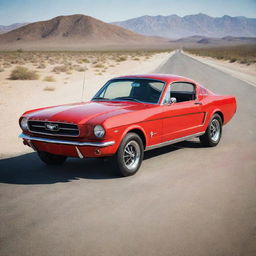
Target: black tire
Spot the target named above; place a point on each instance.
(51, 159)
(212, 136)
(129, 155)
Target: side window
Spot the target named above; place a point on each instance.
(183, 91)
(203, 91)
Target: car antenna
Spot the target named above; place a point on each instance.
(82, 96)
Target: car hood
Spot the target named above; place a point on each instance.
(80, 113)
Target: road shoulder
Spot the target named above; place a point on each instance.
(240, 71)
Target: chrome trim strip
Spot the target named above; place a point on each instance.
(79, 153)
(38, 126)
(49, 134)
(67, 142)
(205, 116)
(67, 129)
(169, 142)
(47, 121)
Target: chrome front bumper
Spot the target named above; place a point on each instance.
(67, 142)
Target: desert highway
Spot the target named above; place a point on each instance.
(186, 200)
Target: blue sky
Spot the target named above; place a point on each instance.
(12, 11)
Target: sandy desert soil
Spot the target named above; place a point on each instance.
(17, 96)
(243, 72)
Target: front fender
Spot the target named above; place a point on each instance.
(118, 134)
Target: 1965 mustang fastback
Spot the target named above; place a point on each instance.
(127, 116)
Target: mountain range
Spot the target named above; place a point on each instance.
(174, 26)
(74, 32)
(80, 32)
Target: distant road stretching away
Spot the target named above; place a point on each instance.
(185, 200)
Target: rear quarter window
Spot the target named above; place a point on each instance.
(203, 91)
(182, 87)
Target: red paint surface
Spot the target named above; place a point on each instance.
(167, 122)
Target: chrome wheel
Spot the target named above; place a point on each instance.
(212, 135)
(215, 130)
(131, 155)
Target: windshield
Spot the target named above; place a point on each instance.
(138, 90)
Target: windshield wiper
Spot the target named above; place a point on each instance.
(127, 98)
(99, 98)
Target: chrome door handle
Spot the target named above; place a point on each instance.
(198, 103)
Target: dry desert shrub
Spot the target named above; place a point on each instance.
(79, 61)
(121, 58)
(7, 65)
(79, 68)
(232, 60)
(41, 66)
(64, 62)
(23, 73)
(21, 62)
(85, 60)
(99, 65)
(245, 54)
(52, 61)
(14, 61)
(49, 79)
(61, 68)
(49, 88)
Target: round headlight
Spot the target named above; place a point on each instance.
(24, 123)
(99, 131)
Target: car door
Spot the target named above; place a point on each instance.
(183, 117)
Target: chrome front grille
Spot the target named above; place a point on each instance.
(53, 128)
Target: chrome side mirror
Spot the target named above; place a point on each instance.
(173, 100)
(170, 101)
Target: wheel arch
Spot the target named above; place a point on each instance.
(220, 114)
(139, 131)
(210, 114)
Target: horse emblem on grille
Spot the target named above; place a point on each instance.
(52, 127)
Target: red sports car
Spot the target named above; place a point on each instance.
(127, 116)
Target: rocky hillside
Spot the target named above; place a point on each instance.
(5, 29)
(74, 31)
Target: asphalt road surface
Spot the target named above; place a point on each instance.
(185, 200)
